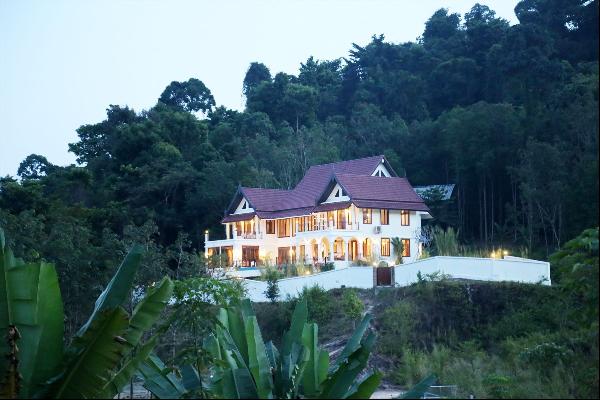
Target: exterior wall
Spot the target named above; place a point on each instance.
(269, 243)
(478, 269)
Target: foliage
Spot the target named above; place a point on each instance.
(353, 306)
(398, 247)
(320, 308)
(103, 355)
(328, 266)
(272, 276)
(445, 242)
(250, 368)
(575, 267)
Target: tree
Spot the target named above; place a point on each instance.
(256, 73)
(188, 96)
(34, 167)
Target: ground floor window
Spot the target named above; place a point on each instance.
(286, 255)
(338, 249)
(250, 256)
(385, 247)
(367, 248)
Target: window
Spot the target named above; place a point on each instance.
(341, 219)
(338, 193)
(249, 256)
(302, 253)
(245, 205)
(299, 222)
(385, 247)
(405, 247)
(385, 216)
(404, 217)
(284, 255)
(283, 227)
(270, 227)
(367, 216)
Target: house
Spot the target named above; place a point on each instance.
(339, 212)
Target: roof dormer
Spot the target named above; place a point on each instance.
(243, 207)
(382, 169)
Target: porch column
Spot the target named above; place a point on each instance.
(234, 231)
(319, 251)
(308, 252)
(331, 252)
(359, 244)
(346, 250)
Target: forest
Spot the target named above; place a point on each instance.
(507, 113)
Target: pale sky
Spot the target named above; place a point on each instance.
(63, 62)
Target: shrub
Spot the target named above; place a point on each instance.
(328, 266)
(353, 306)
(445, 243)
(320, 304)
(272, 276)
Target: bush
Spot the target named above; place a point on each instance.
(328, 266)
(353, 306)
(272, 276)
(320, 305)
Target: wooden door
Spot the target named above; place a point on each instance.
(384, 276)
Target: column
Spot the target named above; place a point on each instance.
(331, 252)
(319, 251)
(346, 250)
(359, 244)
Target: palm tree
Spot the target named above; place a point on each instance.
(398, 249)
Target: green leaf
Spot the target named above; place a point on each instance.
(367, 387)
(340, 383)
(354, 342)
(148, 310)
(119, 287)
(30, 299)
(294, 335)
(119, 380)
(258, 362)
(161, 382)
(92, 357)
(418, 391)
(314, 373)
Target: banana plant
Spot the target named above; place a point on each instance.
(102, 356)
(246, 367)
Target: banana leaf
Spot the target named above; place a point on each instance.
(119, 287)
(30, 300)
(258, 361)
(294, 335)
(354, 342)
(318, 362)
(160, 381)
(123, 376)
(92, 357)
(418, 391)
(147, 311)
(367, 387)
(340, 383)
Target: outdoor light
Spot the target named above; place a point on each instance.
(493, 255)
(505, 252)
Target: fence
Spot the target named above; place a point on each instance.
(479, 269)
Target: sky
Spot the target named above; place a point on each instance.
(62, 63)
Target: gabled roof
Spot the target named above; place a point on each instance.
(444, 191)
(355, 178)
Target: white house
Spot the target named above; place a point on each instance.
(341, 212)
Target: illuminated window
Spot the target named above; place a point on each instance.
(284, 227)
(385, 247)
(405, 247)
(385, 216)
(271, 227)
(404, 217)
(367, 215)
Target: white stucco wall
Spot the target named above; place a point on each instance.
(480, 269)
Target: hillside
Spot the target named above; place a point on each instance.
(498, 340)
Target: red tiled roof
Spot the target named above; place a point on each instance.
(238, 217)
(353, 175)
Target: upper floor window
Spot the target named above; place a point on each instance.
(404, 217)
(405, 247)
(385, 247)
(270, 227)
(283, 227)
(367, 215)
(338, 193)
(384, 216)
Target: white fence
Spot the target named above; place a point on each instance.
(480, 269)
